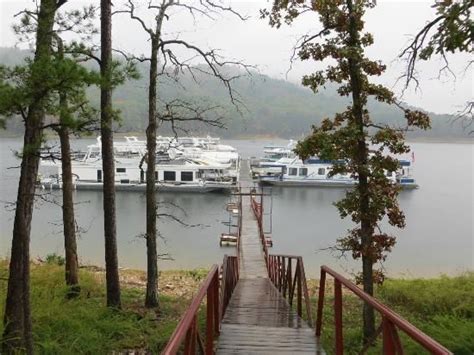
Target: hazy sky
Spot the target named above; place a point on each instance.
(256, 43)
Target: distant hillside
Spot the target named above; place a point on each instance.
(271, 107)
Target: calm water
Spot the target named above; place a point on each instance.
(438, 238)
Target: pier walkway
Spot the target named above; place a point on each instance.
(258, 320)
(255, 301)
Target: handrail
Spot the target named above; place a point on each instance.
(239, 231)
(187, 328)
(289, 282)
(258, 212)
(390, 320)
(218, 297)
(230, 276)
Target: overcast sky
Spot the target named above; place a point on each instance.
(256, 43)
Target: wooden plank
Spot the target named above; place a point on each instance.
(258, 319)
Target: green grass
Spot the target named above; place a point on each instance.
(441, 307)
(84, 325)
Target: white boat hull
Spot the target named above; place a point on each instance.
(321, 183)
(141, 187)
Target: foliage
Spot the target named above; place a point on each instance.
(55, 259)
(451, 31)
(83, 325)
(352, 139)
(66, 73)
(16, 91)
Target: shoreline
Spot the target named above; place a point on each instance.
(266, 137)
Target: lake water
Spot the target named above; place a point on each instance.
(438, 237)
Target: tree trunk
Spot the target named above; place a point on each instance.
(108, 165)
(70, 245)
(69, 228)
(17, 335)
(151, 299)
(362, 186)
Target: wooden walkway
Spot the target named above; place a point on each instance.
(258, 319)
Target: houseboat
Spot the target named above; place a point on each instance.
(315, 172)
(174, 171)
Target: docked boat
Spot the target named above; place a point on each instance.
(174, 170)
(281, 166)
(273, 158)
(316, 172)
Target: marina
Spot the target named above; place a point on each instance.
(182, 165)
(297, 213)
(196, 164)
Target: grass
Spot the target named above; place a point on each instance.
(441, 307)
(84, 325)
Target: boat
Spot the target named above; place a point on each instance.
(175, 169)
(273, 158)
(316, 172)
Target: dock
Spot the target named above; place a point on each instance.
(258, 320)
(256, 301)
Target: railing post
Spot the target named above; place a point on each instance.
(286, 269)
(300, 288)
(210, 319)
(338, 317)
(305, 293)
(319, 316)
(216, 304)
(270, 268)
(190, 341)
(389, 347)
(282, 273)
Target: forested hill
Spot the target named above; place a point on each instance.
(270, 107)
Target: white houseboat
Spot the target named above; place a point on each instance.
(315, 172)
(174, 171)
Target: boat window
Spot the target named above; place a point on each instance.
(121, 170)
(99, 175)
(303, 171)
(284, 170)
(125, 181)
(293, 171)
(186, 176)
(321, 171)
(156, 175)
(169, 175)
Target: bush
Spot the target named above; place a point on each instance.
(55, 259)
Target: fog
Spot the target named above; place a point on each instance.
(254, 42)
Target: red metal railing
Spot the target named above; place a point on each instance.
(389, 326)
(291, 282)
(230, 276)
(187, 331)
(239, 230)
(257, 208)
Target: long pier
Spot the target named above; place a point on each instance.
(255, 301)
(258, 320)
